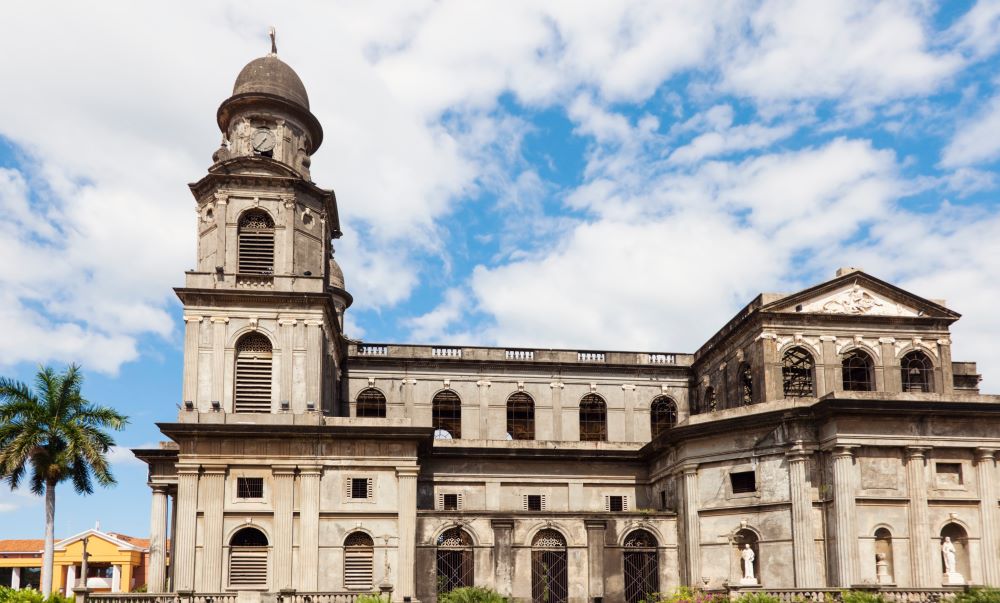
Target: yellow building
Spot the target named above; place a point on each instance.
(117, 563)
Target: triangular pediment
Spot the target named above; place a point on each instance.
(860, 294)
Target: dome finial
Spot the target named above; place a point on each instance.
(274, 44)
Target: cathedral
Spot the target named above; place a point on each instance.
(823, 438)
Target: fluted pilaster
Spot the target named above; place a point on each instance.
(845, 521)
(283, 497)
(407, 530)
(921, 554)
(213, 486)
(986, 472)
(309, 479)
(157, 580)
(187, 515)
(803, 534)
(692, 530)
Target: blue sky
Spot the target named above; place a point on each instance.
(540, 174)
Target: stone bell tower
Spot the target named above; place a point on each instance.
(264, 308)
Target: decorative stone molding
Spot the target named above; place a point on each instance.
(627, 387)
(485, 383)
(520, 386)
(828, 338)
(557, 385)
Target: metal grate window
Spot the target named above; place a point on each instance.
(662, 415)
(520, 417)
(616, 504)
(534, 502)
(743, 481)
(447, 411)
(640, 562)
(249, 487)
(917, 372)
(248, 552)
(449, 502)
(549, 575)
(858, 372)
(359, 561)
(370, 403)
(455, 563)
(256, 243)
(797, 373)
(593, 419)
(359, 488)
(253, 374)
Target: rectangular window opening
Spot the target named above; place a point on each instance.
(250, 487)
(663, 500)
(361, 487)
(743, 482)
(949, 474)
(449, 502)
(616, 504)
(534, 502)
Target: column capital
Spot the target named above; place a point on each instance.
(407, 471)
(283, 471)
(214, 469)
(311, 470)
(798, 454)
(689, 469)
(160, 488)
(917, 452)
(193, 318)
(188, 469)
(985, 454)
(844, 450)
(595, 524)
(220, 319)
(502, 524)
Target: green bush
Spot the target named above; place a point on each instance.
(861, 596)
(471, 594)
(978, 595)
(685, 594)
(29, 595)
(757, 598)
(372, 598)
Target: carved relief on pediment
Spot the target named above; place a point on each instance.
(856, 300)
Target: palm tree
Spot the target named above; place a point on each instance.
(53, 434)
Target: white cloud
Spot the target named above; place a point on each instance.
(854, 52)
(978, 30)
(977, 140)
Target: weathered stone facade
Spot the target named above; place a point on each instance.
(829, 430)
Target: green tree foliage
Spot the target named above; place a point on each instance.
(50, 435)
(979, 595)
(471, 594)
(29, 595)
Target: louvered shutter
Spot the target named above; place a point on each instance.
(248, 566)
(359, 560)
(256, 243)
(253, 374)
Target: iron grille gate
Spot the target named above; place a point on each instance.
(641, 575)
(454, 569)
(548, 576)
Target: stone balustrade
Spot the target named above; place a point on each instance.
(519, 355)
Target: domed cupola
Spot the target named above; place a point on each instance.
(268, 115)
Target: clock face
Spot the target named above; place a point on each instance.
(262, 140)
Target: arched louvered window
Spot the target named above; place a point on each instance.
(371, 403)
(917, 372)
(520, 417)
(359, 561)
(256, 243)
(253, 374)
(641, 567)
(248, 559)
(797, 373)
(858, 371)
(455, 563)
(746, 385)
(447, 411)
(549, 579)
(593, 419)
(662, 415)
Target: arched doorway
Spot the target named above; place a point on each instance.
(549, 560)
(641, 567)
(455, 563)
(248, 559)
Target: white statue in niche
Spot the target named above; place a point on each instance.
(748, 557)
(948, 552)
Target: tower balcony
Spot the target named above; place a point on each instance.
(238, 281)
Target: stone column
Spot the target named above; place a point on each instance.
(921, 554)
(845, 520)
(116, 578)
(184, 542)
(595, 555)
(158, 540)
(692, 530)
(946, 385)
(283, 493)
(483, 387)
(314, 361)
(15, 578)
(213, 487)
(309, 478)
(803, 534)
(407, 477)
(986, 472)
(772, 388)
(221, 231)
(286, 341)
(219, 359)
(171, 580)
(628, 390)
(892, 380)
(192, 336)
(288, 239)
(503, 555)
(557, 418)
(831, 377)
(70, 581)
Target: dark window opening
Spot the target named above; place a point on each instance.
(360, 487)
(520, 417)
(797, 374)
(858, 372)
(663, 500)
(917, 373)
(534, 502)
(447, 411)
(371, 404)
(249, 487)
(616, 504)
(450, 502)
(593, 419)
(746, 385)
(743, 481)
(662, 415)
